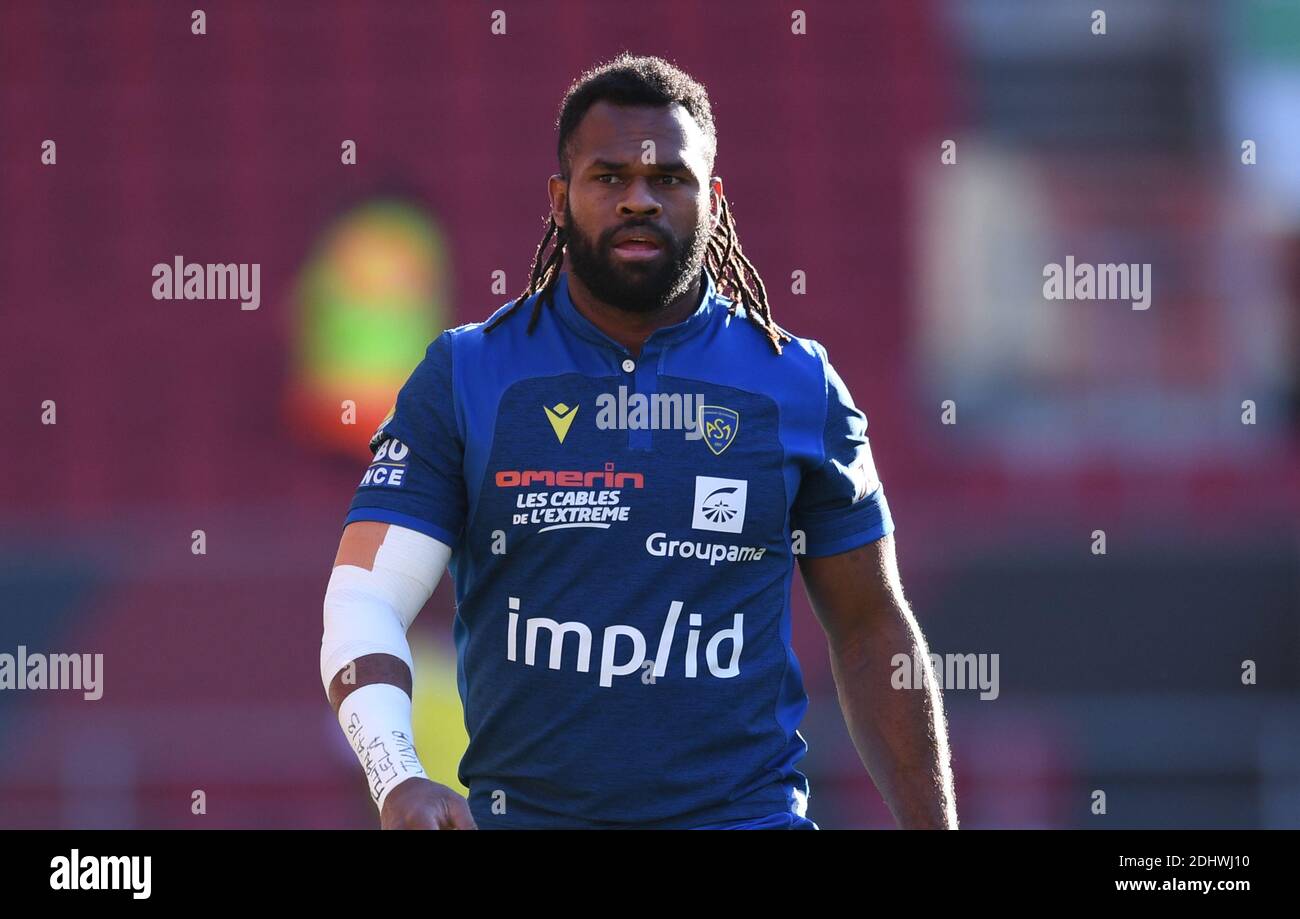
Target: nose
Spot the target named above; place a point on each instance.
(639, 201)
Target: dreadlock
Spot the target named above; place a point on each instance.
(629, 80)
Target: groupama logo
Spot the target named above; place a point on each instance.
(720, 504)
(716, 508)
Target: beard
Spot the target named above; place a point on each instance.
(637, 287)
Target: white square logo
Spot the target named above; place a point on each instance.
(719, 504)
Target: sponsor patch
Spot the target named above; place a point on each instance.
(719, 504)
(389, 465)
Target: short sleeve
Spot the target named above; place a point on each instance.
(841, 504)
(416, 478)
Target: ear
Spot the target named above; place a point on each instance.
(557, 189)
(715, 203)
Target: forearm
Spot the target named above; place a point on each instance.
(382, 576)
(368, 669)
(900, 734)
(369, 688)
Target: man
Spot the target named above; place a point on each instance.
(622, 482)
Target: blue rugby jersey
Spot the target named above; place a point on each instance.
(624, 531)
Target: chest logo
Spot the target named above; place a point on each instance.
(719, 504)
(720, 426)
(561, 418)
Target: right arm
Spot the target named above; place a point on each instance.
(383, 575)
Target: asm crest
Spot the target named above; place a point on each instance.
(720, 426)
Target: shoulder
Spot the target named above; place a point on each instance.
(802, 369)
(494, 337)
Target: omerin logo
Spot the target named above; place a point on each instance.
(575, 498)
(628, 642)
(561, 419)
(720, 426)
(719, 504)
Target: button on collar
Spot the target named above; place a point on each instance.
(628, 365)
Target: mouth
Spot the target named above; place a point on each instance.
(637, 247)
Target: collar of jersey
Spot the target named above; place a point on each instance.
(691, 325)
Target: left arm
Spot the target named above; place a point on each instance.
(900, 734)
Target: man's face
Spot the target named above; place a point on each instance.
(620, 185)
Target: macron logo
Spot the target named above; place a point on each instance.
(561, 419)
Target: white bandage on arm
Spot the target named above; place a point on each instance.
(377, 721)
(368, 612)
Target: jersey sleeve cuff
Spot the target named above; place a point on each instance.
(822, 549)
(869, 521)
(419, 524)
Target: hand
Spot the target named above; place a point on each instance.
(419, 804)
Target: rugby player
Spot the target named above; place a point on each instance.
(623, 578)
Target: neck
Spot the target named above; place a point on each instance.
(632, 329)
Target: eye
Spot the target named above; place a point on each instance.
(608, 175)
(677, 180)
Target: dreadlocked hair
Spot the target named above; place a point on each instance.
(629, 80)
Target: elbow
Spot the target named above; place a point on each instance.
(358, 620)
